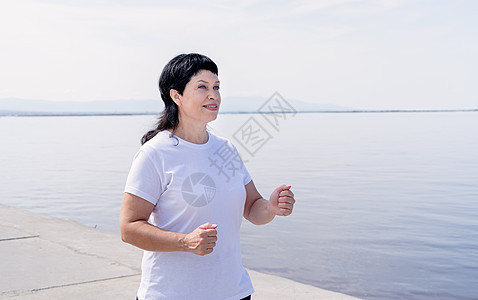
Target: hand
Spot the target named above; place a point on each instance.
(202, 240)
(282, 201)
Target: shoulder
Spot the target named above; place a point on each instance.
(161, 142)
(219, 139)
(222, 143)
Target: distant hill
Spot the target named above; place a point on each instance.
(15, 106)
(34, 107)
(252, 104)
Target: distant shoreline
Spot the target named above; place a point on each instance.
(88, 114)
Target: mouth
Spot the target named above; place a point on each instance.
(211, 107)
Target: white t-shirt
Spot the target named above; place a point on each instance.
(191, 184)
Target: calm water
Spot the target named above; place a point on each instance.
(387, 204)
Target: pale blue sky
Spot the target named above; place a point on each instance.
(397, 54)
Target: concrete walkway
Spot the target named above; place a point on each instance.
(42, 257)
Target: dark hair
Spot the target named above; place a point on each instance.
(175, 75)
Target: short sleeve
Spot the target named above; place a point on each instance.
(144, 179)
(246, 176)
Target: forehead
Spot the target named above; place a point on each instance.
(205, 75)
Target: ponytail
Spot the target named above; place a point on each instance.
(169, 120)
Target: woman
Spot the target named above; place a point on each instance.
(187, 192)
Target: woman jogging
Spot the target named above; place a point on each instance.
(187, 192)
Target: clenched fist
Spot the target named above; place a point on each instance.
(202, 240)
(282, 201)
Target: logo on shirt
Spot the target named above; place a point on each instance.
(198, 189)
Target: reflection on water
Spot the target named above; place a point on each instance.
(387, 204)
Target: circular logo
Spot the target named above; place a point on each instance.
(198, 189)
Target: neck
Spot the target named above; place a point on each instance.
(192, 133)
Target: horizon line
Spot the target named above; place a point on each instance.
(7, 113)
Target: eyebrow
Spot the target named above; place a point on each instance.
(200, 80)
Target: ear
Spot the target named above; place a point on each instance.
(174, 94)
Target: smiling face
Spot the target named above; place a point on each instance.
(199, 103)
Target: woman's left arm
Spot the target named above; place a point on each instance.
(261, 211)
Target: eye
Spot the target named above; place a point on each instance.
(216, 88)
(202, 86)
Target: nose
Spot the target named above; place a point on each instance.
(214, 95)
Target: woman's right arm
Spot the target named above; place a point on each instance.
(136, 230)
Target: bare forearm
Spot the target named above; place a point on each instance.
(137, 231)
(260, 212)
(148, 237)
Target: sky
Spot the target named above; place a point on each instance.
(363, 54)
